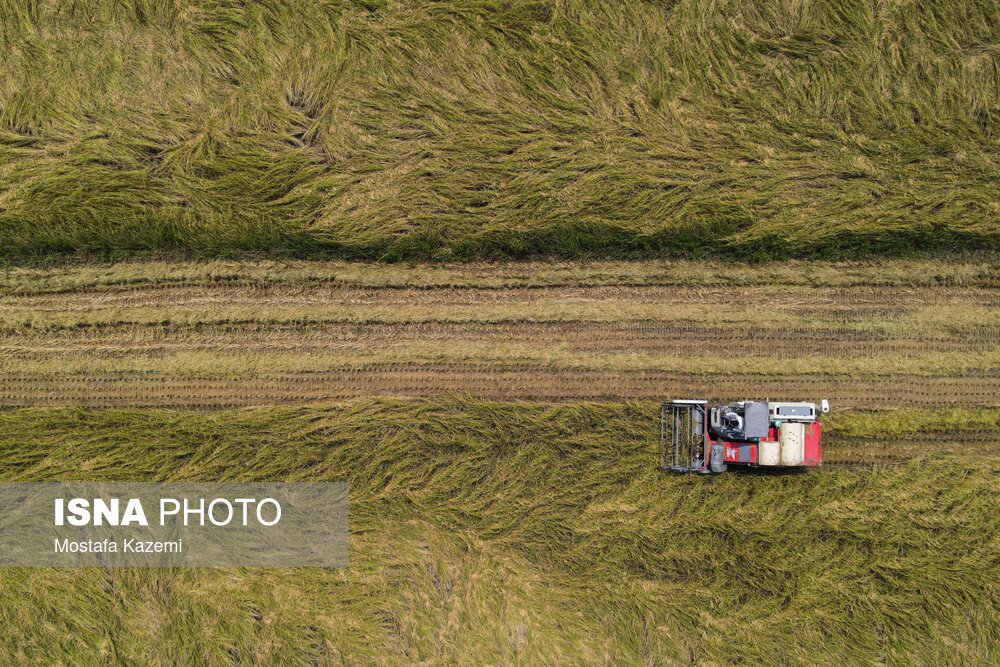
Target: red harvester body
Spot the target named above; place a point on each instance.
(695, 437)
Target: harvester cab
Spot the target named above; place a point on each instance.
(697, 437)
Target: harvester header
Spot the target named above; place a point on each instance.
(696, 437)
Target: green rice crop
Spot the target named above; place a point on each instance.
(522, 533)
(403, 129)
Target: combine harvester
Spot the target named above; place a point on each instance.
(697, 438)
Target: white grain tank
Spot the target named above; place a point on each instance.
(792, 441)
(768, 453)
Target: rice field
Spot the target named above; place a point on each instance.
(526, 533)
(211, 337)
(276, 241)
(414, 129)
(498, 425)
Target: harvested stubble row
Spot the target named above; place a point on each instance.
(644, 336)
(481, 381)
(219, 336)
